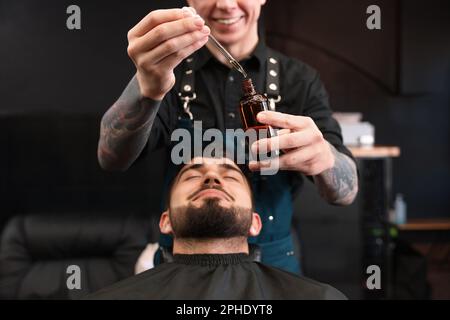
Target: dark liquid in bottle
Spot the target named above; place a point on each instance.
(249, 109)
(250, 105)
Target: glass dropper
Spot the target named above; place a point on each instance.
(227, 55)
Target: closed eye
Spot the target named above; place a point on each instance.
(192, 177)
(231, 178)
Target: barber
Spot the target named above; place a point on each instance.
(178, 71)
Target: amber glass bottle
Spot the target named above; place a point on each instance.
(250, 105)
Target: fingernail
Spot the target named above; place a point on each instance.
(252, 165)
(206, 29)
(261, 116)
(187, 12)
(198, 21)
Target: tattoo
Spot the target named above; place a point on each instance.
(125, 128)
(339, 185)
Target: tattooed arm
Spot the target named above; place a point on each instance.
(125, 128)
(339, 184)
(156, 45)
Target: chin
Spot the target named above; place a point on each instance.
(229, 39)
(220, 201)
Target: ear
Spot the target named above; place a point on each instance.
(164, 223)
(256, 225)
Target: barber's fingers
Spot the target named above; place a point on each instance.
(167, 31)
(306, 160)
(284, 141)
(284, 120)
(174, 59)
(301, 159)
(280, 132)
(175, 45)
(157, 17)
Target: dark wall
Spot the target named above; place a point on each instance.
(398, 77)
(45, 66)
(55, 85)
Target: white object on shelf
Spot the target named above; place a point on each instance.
(355, 132)
(400, 209)
(358, 134)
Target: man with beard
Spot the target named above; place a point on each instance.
(210, 214)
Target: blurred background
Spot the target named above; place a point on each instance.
(389, 88)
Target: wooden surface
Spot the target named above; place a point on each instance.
(375, 152)
(426, 224)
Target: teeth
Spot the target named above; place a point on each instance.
(228, 21)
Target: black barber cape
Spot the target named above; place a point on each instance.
(216, 276)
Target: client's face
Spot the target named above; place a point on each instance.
(210, 198)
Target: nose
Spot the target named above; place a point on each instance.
(212, 179)
(226, 4)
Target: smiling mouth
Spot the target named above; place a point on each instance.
(228, 21)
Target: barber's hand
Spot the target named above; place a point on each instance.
(159, 42)
(305, 149)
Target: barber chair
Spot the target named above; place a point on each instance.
(41, 256)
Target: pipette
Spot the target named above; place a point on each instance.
(227, 55)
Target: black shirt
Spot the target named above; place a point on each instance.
(217, 276)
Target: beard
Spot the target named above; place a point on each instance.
(210, 221)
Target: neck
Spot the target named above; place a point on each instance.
(210, 246)
(238, 51)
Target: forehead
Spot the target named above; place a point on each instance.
(215, 164)
(219, 164)
(213, 161)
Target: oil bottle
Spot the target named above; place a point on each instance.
(250, 105)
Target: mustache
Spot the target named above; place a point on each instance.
(193, 195)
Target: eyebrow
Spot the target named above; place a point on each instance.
(198, 166)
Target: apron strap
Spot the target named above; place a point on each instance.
(273, 81)
(187, 92)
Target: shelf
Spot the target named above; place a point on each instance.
(425, 225)
(375, 152)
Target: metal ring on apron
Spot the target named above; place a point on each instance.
(186, 100)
